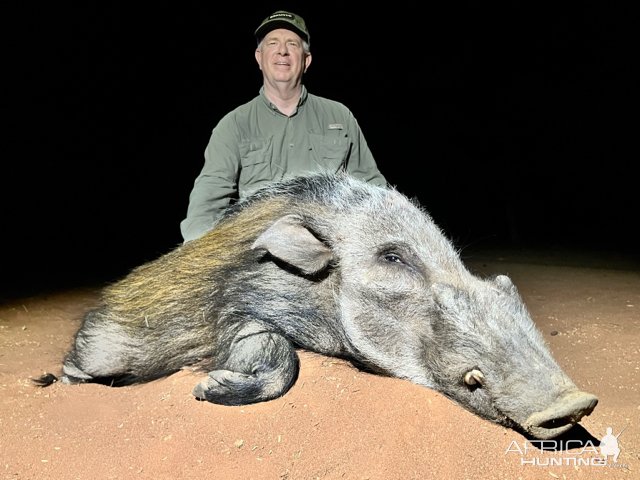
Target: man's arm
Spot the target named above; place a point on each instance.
(361, 162)
(216, 185)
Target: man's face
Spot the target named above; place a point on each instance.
(281, 56)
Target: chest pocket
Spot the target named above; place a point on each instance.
(255, 164)
(330, 152)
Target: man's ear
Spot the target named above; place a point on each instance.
(307, 62)
(258, 55)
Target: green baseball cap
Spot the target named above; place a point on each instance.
(282, 19)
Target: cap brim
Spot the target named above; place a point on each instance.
(274, 24)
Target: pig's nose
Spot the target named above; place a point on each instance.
(561, 415)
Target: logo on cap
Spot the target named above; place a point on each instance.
(282, 14)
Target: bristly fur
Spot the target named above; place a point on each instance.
(334, 265)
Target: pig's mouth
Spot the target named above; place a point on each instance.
(561, 415)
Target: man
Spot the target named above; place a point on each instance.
(282, 132)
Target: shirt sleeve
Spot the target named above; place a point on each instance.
(361, 162)
(216, 185)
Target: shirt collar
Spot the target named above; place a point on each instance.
(303, 98)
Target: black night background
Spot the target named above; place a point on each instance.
(512, 122)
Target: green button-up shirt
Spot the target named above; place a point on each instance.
(256, 144)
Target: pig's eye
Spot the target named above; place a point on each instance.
(392, 257)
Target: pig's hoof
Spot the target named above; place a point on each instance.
(228, 388)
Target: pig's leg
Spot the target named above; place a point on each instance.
(102, 352)
(261, 365)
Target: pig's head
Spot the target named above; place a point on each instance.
(474, 341)
(409, 308)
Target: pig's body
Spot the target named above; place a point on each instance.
(340, 267)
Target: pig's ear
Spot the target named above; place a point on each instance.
(505, 284)
(290, 241)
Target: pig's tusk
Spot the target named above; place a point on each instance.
(474, 377)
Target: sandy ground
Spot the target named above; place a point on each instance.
(336, 422)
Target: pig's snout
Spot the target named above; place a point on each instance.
(561, 415)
